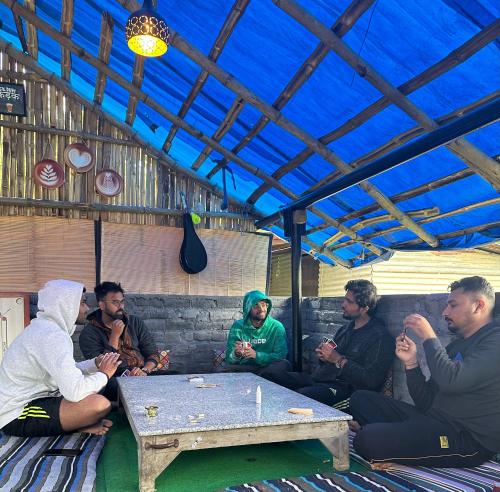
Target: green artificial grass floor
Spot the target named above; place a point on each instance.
(209, 469)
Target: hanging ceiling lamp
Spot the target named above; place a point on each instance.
(146, 32)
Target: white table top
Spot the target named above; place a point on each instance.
(230, 405)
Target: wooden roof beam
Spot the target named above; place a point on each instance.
(426, 220)
(66, 29)
(224, 127)
(454, 58)
(160, 109)
(105, 43)
(482, 164)
(400, 197)
(227, 29)
(31, 29)
(137, 79)
(404, 137)
(449, 235)
(342, 25)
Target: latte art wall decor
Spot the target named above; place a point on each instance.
(79, 157)
(48, 173)
(108, 183)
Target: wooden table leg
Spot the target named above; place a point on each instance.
(151, 463)
(339, 447)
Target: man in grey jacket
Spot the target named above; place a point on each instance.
(43, 391)
(456, 418)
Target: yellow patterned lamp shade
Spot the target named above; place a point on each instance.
(146, 32)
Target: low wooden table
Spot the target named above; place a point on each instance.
(190, 418)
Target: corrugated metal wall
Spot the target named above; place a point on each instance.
(414, 273)
(281, 280)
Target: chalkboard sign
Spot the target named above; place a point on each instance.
(12, 99)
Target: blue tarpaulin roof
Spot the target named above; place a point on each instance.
(432, 61)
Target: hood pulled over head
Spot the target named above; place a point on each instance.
(59, 302)
(253, 297)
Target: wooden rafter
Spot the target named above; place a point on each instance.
(32, 34)
(385, 148)
(66, 29)
(137, 79)
(163, 159)
(451, 213)
(160, 109)
(454, 58)
(468, 153)
(224, 127)
(105, 43)
(227, 29)
(400, 197)
(404, 137)
(342, 25)
(50, 130)
(449, 235)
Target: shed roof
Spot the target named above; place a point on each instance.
(288, 95)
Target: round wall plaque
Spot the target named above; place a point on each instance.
(108, 183)
(48, 173)
(79, 157)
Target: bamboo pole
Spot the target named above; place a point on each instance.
(103, 207)
(449, 235)
(224, 127)
(32, 34)
(105, 43)
(227, 29)
(454, 58)
(451, 213)
(67, 133)
(404, 137)
(137, 79)
(468, 153)
(400, 197)
(66, 28)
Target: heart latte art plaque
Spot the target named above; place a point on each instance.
(79, 157)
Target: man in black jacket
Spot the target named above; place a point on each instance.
(111, 329)
(359, 357)
(456, 418)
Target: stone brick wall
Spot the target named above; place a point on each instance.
(191, 327)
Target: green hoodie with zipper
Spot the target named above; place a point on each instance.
(268, 341)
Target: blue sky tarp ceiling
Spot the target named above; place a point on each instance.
(385, 73)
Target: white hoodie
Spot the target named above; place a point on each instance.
(40, 362)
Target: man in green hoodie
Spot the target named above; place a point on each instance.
(258, 340)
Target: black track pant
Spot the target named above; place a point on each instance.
(328, 393)
(394, 431)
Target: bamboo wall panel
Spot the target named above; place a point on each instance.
(422, 272)
(147, 183)
(36, 249)
(145, 259)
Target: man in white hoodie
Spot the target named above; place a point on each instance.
(43, 391)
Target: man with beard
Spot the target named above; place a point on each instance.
(111, 329)
(258, 341)
(359, 358)
(456, 418)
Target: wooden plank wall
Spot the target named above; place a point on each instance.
(147, 183)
